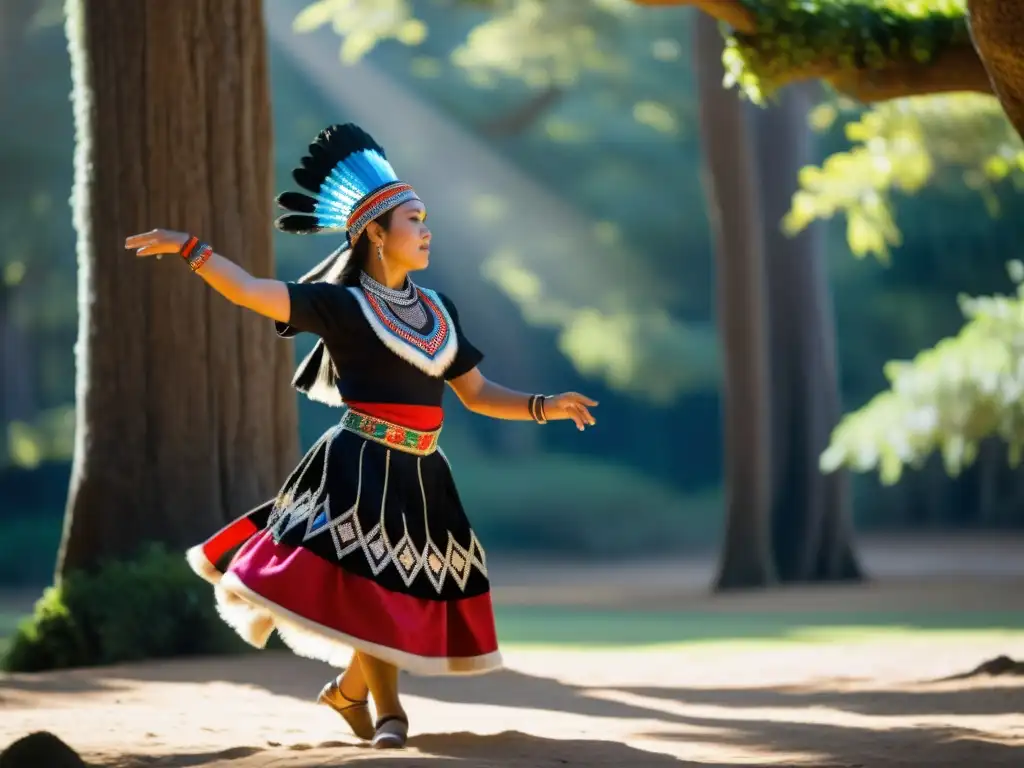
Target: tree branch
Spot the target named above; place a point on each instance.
(861, 50)
(732, 12)
(517, 120)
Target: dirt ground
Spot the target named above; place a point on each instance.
(871, 701)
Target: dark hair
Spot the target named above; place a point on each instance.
(316, 374)
(360, 253)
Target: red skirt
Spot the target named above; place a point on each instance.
(366, 548)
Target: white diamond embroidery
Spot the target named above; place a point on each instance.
(348, 536)
(458, 560)
(378, 549)
(408, 562)
(347, 532)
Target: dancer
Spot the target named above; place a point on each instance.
(366, 549)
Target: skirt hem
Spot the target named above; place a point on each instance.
(254, 618)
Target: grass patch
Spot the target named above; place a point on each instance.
(557, 626)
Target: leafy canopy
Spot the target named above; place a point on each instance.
(947, 399)
(900, 146)
(821, 37)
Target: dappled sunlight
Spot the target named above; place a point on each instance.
(634, 346)
(900, 146)
(563, 269)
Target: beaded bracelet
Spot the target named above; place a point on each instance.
(536, 408)
(195, 253)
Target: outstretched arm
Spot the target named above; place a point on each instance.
(264, 296)
(483, 396)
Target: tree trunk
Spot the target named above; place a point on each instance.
(733, 208)
(811, 531)
(184, 412)
(996, 29)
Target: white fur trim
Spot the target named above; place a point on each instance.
(432, 366)
(202, 566)
(248, 613)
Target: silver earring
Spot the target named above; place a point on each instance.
(380, 252)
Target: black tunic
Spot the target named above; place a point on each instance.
(379, 512)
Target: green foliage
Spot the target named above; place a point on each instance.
(151, 607)
(635, 347)
(50, 437)
(574, 505)
(542, 43)
(617, 320)
(900, 146)
(821, 37)
(948, 399)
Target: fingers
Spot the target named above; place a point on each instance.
(137, 241)
(576, 397)
(587, 417)
(156, 249)
(580, 416)
(577, 418)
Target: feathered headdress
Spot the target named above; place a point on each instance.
(351, 183)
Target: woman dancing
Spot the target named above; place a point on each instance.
(366, 549)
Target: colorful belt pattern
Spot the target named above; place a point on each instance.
(392, 435)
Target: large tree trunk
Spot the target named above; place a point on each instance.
(996, 29)
(735, 217)
(185, 415)
(811, 531)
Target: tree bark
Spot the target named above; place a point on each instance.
(811, 530)
(185, 416)
(733, 207)
(997, 29)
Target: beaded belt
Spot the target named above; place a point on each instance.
(392, 435)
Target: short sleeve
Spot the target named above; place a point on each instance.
(468, 357)
(317, 308)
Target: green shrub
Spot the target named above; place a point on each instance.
(151, 607)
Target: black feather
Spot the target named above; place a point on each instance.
(330, 147)
(296, 202)
(308, 178)
(298, 224)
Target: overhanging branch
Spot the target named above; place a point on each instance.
(778, 42)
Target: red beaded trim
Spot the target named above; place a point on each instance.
(385, 194)
(431, 345)
(205, 251)
(186, 249)
(195, 253)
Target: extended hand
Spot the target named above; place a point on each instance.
(156, 242)
(570, 405)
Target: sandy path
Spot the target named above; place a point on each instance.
(848, 704)
(863, 703)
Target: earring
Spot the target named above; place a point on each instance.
(380, 251)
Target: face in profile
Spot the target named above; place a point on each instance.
(407, 239)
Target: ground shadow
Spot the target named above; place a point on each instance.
(919, 701)
(852, 747)
(850, 743)
(451, 750)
